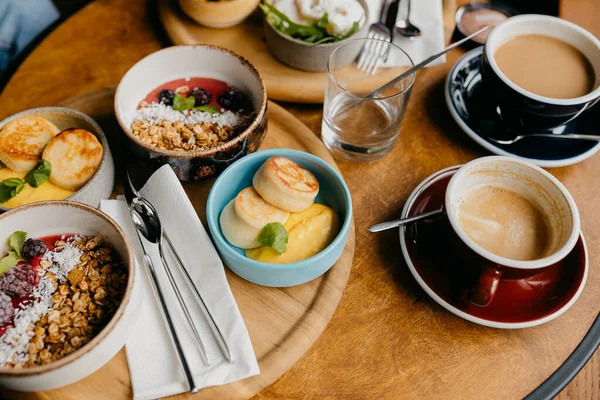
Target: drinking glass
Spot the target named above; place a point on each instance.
(369, 130)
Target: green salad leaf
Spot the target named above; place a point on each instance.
(9, 188)
(208, 109)
(275, 236)
(181, 103)
(39, 174)
(16, 241)
(315, 34)
(9, 261)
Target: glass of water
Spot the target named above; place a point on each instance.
(356, 127)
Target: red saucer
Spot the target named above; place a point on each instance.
(437, 267)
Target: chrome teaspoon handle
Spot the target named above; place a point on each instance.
(399, 222)
(167, 317)
(577, 136)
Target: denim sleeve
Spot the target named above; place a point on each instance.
(21, 22)
(34, 17)
(9, 21)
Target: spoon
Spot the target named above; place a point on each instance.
(146, 221)
(384, 226)
(408, 72)
(572, 136)
(138, 222)
(405, 27)
(130, 188)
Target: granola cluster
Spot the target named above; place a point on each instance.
(178, 136)
(82, 305)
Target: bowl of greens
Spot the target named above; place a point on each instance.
(303, 33)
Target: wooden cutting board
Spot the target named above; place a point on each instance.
(247, 39)
(283, 323)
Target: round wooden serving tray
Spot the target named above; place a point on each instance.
(283, 323)
(247, 39)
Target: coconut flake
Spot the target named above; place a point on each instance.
(156, 112)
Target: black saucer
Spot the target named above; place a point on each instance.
(477, 117)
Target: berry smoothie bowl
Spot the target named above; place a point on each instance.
(67, 294)
(197, 108)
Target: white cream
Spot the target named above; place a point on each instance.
(341, 13)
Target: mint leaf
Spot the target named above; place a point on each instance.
(9, 188)
(274, 235)
(208, 109)
(16, 241)
(181, 103)
(39, 174)
(8, 262)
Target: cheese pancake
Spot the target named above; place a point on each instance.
(23, 140)
(286, 184)
(75, 155)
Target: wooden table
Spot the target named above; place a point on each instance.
(370, 349)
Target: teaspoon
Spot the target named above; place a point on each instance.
(405, 27)
(148, 224)
(384, 226)
(571, 136)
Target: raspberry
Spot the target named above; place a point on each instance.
(166, 96)
(18, 281)
(7, 312)
(32, 248)
(233, 99)
(201, 95)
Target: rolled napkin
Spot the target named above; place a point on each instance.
(428, 15)
(153, 363)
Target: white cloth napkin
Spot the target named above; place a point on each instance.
(428, 15)
(153, 363)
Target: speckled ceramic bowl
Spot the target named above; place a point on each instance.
(100, 186)
(193, 61)
(306, 56)
(218, 14)
(55, 217)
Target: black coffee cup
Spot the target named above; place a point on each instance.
(524, 111)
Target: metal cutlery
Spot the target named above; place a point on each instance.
(384, 226)
(405, 27)
(569, 136)
(375, 52)
(211, 322)
(163, 306)
(407, 73)
(147, 223)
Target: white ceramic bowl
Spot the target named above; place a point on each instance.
(100, 186)
(56, 217)
(192, 61)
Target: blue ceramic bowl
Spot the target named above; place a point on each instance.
(333, 192)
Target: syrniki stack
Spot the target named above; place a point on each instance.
(246, 215)
(75, 155)
(23, 140)
(285, 184)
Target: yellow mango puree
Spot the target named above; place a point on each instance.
(309, 233)
(46, 191)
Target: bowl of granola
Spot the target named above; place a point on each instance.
(197, 108)
(67, 295)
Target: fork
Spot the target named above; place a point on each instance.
(571, 136)
(376, 51)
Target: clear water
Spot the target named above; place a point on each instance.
(366, 133)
